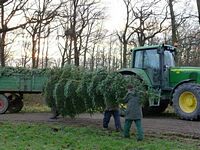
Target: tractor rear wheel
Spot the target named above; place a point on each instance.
(3, 104)
(186, 101)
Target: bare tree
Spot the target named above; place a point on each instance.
(79, 21)
(125, 35)
(142, 24)
(150, 23)
(64, 33)
(43, 15)
(177, 20)
(7, 15)
(173, 23)
(25, 58)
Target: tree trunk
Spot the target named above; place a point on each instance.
(70, 51)
(2, 38)
(2, 49)
(65, 52)
(46, 58)
(47, 51)
(109, 56)
(76, 52)
(198, 7)
(173, 23)
(103, 58)
(92, 59)
(33, 52)
(124, 64)
(38, 46)
(86, 45)
(121, 55)
(174, 29)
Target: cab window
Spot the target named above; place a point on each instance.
(147, 59)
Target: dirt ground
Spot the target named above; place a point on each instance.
(162, 127)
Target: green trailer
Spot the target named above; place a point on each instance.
(13, 84)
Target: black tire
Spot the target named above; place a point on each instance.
(153, 110)
(3, 104)
(186, 101)
(15, 104)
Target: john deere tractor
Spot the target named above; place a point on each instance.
(180, 86)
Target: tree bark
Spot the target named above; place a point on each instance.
(173, 23)
(2, 38)
(2, 49)
(198, 7)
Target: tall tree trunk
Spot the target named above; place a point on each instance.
(64, 52)
(70, 51)
(75, 38)
(173, 23)
(84, 56)
(2, 49)
(109, 56)
(2, 38)
(85, 50)
(43, 48)
(46, 58)
(38, 51)
(113, 62)
(38, 46)
(33, 51)
(198, 7)
(103, 58)
(47, 51)
(76, 52)
(124, 64)
(92, 58)
(174, 29)
(121, 55)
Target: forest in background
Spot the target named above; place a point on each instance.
(32, 32)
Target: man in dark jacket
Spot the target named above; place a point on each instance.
(112, 110)
(133, 113)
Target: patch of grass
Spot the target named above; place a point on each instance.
(34, 103)
(35, 108)
(20, 136)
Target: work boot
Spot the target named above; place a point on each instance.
(55, 115)
(119, 130)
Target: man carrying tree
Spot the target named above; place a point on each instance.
(112, 109)
(133, 113)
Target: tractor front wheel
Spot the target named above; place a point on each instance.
(186, 101)
(3, 104)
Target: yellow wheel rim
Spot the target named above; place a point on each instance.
(188, 102)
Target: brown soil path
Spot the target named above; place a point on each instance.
(163, 126)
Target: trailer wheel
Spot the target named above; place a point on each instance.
(15, 104)
(186, 101)
(3, 104)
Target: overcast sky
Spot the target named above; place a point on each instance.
(115, 9)
(116, 12)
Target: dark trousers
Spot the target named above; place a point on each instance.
(138, 124)
(107, 116)
(55, 113)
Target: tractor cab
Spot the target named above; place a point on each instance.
(155, 61)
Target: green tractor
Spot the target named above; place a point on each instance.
(180, 86)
